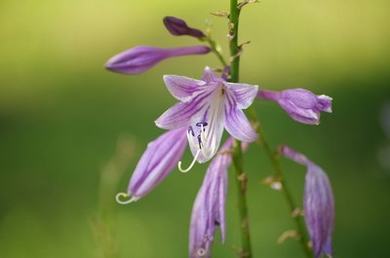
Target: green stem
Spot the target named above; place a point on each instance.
(234, 48)
(278, 172)
(214, 48)
(241, 179)
(237, 151)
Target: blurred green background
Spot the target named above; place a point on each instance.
(61, 115)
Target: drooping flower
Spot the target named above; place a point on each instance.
(141, 58)
(159, 159)
(208, 211)
(206, 107)
(179, 27)
(301, 105)
(318, 203)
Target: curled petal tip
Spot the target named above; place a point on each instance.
(120, 198)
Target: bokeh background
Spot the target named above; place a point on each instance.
(71, 132)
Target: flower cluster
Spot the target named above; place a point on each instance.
(205, 108)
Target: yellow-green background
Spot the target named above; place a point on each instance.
(61, 115)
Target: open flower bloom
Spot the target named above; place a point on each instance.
(141, 58)
(318, 203)
(301, 105)
(208, 211)
(206, 107)
(159, 159)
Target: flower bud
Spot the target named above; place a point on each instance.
(208, 211)
(179, 27)
(141, 58)
(159, 159)
(301, 105)
(318, 203)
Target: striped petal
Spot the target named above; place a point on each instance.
(243, 94)
(207, 129)
(236, 122)
(159, 159)
(181, 87)
(180, 114)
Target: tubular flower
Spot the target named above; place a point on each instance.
(206, 107)
(301, 105)
(158, 160)
(318, 203)
(141, 58)
(179, 27)
(208, 211)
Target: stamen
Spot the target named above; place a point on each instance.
(199, 124)
(190, 130)
(191, 165)
(118, 197)
(199, 141)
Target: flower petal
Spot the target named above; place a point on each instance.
(244, 94)
(208, 211)
(158, 160)
(318, 203)
(305, 116)
(180, 114)
(208, 140)
(209, 75)
(236, 122)
(181, 87)
(319, 209)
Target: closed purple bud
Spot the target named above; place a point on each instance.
(318, 204)
(301, 105)
(208, 211)
(179, 27)
(141, 58)
(159, 159)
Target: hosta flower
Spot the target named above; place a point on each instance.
(301, 105)
(208, 211)
(141, 58)
(318, 203)
(179, 27)
(206, 107)
(159, 159)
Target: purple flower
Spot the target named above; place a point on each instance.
(141, 58)
(179, 27)
(208, 211)
(158, 160)
(318, 203)
(300, 104)
(206, 107)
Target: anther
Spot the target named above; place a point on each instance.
(121, 195)
(199, 141)
(201, 252)
(200, 124)
(190, 130)
(191, 165)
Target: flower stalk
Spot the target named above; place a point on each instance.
(241, 179)
(237, 152)
(278, 173)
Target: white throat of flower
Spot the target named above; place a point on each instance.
(205, 132)
(194, 139)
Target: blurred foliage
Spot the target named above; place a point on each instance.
(61, 114)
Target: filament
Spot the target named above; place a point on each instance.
(190, 166)
(122, 195)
